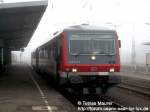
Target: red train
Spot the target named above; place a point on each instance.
(81, 55)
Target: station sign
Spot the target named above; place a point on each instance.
(147, 58)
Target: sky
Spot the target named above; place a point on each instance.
(128, 17)
(124, 14)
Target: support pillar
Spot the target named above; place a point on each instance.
(5, 55)
(1, 54)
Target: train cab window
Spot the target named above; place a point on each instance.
(99, 44)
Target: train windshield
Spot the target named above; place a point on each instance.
(89, 44)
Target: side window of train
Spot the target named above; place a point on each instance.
(59, 46)
(41, 53)
(51, 51)
(45, 52)
(48, 51)
(54, 50)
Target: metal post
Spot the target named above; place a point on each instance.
(147, 54)
(147, 68)
(20, 56)
(147, 61)
(2, 58)
(133, 53)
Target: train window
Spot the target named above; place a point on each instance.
(34, 55)
(59, 46)
(92, 44)
(40, 54)
(48, 52)
(119, 41)
(45, 53)
(53, 51)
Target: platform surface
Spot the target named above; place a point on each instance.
(22, 90)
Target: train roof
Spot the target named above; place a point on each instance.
(86, 27)
(80, 28)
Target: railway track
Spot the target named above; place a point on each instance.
(85, 102)
(139, 92)
(136, 87)
(90, 102)
(94, 103)
(118, 106)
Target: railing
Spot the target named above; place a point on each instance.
(139, 68)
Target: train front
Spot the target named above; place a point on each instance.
(91, 57)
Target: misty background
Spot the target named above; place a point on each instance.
(130, 18)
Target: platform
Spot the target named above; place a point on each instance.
(18, 22)
(22, 90)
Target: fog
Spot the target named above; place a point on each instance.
(130, 18)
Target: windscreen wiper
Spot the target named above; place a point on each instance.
(103, 53)
(76, 54)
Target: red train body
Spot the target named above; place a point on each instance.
(81, 54)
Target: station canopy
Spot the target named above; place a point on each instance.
(18, 21)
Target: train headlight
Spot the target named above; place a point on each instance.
(112, 70)
(93, 57)
(74, 70)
